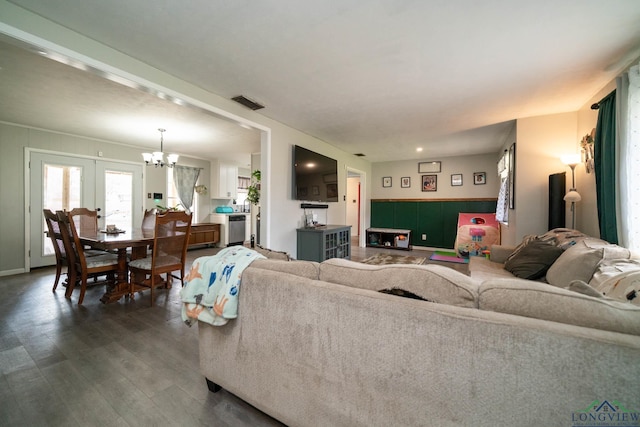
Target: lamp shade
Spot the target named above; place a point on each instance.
(570, 159)
(172, 159)
(572, 196)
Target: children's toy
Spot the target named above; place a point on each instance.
(476, 233)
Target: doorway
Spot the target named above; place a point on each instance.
(354, 202)
(62, 182)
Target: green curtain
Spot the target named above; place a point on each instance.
(605, 168)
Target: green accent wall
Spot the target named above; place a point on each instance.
(437, 219)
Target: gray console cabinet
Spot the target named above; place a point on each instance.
(324, 242)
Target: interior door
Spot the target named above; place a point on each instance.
(56, 183)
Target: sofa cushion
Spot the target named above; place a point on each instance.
(543, 301)
(481, 269)
(434, 282)
(584, 288)
(308, 269)
(625, 288)
(580, 261)
(271, 254)
(533, 260)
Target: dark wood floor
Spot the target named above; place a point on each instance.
(122, 364)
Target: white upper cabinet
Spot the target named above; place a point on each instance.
(224, 180)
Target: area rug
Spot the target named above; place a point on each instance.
(448, 257)
(381, 259)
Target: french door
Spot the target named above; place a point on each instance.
(60, 182)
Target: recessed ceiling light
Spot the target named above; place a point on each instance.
(419, 149)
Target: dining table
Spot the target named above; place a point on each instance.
(138, 240)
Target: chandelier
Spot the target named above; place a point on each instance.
(157, 157)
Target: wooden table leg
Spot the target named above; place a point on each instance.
(121, 286)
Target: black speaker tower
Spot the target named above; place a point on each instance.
(557, 205)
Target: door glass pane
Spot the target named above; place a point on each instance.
(118, 201)
(61, 185)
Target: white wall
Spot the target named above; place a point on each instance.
(465, 165)
(541, 141)
(284, 214)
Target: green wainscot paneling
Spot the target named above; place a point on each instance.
(429, 223)
(406, 216)
(384, 212)
(438, 220)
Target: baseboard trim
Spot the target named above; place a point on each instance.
(12, 272)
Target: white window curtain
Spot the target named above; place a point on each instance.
(185, 179)
(629, 158)
(502, 207)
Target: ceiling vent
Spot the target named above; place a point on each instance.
(241, 99)
(359, 155)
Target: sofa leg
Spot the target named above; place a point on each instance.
(213, 387)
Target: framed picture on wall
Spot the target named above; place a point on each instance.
(386, 181)
(405, 182)
(429, 167)
(332, 191)
(456, 180)
(479, 178)
(429, 182)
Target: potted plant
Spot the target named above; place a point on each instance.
(253, 191)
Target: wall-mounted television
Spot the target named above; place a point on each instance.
(315, 176)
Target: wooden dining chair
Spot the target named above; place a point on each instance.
(81, 267)
(86, 223)
(85, 220)
(51, 219)
(171, 237)
(149, 219)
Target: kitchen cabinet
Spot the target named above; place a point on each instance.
(224, 180)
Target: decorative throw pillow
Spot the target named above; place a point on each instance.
(580, 261)
(525, 241)
(533, 260)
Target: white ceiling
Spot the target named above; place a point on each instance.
(375, 77)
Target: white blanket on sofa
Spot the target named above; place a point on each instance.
(211, 288)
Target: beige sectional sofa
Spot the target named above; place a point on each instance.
(318, 345)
